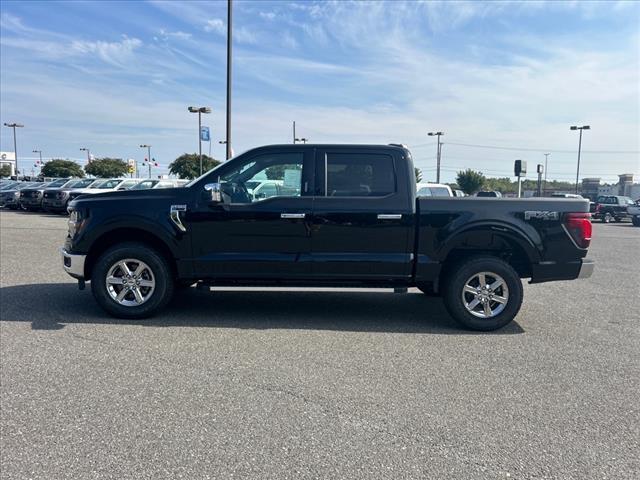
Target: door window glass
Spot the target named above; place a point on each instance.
(359, 175)
(266, 176)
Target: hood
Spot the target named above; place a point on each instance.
(174, 194)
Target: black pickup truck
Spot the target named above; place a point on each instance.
(340, 215)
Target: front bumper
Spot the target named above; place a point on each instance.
(31, 202)
(73, 264)
(552, 271)
(54, 203)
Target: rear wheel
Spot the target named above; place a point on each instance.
(484, 293)
(131, 280)
(636, 221)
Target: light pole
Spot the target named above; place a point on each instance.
(148, 147)
(88, 154)
(200, 111)
(15, 148)
(437, 134)
(229, 46)
(584, 127)
(294, 131)
(546, 158)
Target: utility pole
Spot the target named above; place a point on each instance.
(546, 158)
(584, 127)
(294, 131)
(229, 46)
(15, 147)
(540, 170)
(437, 134)
(200, 111)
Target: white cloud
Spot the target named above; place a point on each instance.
(114, 53)
(216, 25)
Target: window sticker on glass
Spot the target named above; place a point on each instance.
(292, 178)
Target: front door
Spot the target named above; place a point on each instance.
(261, 229)
(363, 215)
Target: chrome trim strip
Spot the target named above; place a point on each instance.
(293, 215)
(76, 267)
(389, 216)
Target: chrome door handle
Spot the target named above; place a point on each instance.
(389, 216)
(293, 215)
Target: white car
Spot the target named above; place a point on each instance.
(155, 183)
(107, 185)
(433, 190)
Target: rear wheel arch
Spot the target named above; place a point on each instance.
(508, 245)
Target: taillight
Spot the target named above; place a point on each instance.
(579, 227)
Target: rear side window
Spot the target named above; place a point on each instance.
(359, 175)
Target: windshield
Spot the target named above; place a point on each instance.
(440, 192)
(58, 183)
(145, 184)
(85, 182)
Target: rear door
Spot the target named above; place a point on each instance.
(362, 215)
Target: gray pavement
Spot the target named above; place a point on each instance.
(315, 384)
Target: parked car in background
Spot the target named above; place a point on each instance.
(459, 193)
(7, 184)
(634, 212)
(489, 194)
(566, 195)
(150, 183)
(31, 198)
(104, 185)
(609, 208)
(56, 199)
(10, 197)
(433, 190)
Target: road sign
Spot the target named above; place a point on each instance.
(204, 134)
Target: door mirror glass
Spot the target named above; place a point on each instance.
(214, 191)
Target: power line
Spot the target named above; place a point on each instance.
(528, 149)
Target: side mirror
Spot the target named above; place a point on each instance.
(215, 192)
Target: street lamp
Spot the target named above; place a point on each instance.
(584, 127)
(88, 154)
(546, 159)
(200, 111)
(15, 148)
(437, 134)
(148, 147)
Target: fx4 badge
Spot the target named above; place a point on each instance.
(540, 214)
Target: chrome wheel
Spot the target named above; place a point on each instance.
(485, 294)
(130, 282)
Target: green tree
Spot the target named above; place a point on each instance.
(418, 173)
(470, 181)
(61, 168)
(5, 170)
(188, 165)
(107, 167)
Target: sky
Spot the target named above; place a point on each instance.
(502, 80)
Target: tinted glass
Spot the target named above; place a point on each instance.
(440, 192)
(359, 175)
(425, 192)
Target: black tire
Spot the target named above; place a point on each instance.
(606, 218)
(457, 279)
(158, 265)
(635, 221)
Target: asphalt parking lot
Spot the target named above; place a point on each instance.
(316, 384)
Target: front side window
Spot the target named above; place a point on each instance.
(264, 176)
(359, 175)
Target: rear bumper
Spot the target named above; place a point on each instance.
(73, 264)
(551, 271)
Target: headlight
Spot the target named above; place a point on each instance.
(77, 219)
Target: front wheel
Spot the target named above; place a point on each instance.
(483, 293)
(132, 280)
(607, 217)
